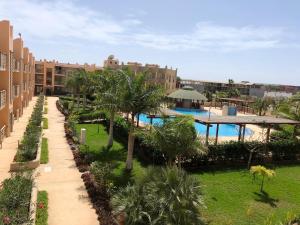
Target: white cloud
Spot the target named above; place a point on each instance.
(63, 20)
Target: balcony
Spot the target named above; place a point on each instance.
(2, 134)
(16, 65)
(17, 89)
(2, 99)
(3, 60)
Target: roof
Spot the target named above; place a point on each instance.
(187, 93)
(257, 120)
(236, 100)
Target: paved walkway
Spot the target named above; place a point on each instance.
(10, 144)
(68, 200)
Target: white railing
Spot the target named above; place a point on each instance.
(2, 99)
(2, 135)
(3, 60)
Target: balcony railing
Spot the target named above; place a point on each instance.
(2, 135)
(3, 60)
(2, 99)
(17, 91)
(16, 65)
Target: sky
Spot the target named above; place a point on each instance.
(245, 40)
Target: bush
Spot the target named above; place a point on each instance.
(29, 144)
(166, 196)
(15, 199)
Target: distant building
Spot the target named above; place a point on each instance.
(244, 87)
(50, 76)
(165, 77)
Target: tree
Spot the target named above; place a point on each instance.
(162, 196)
(232, 92)
(175, 138)
(109, 96)
(261, 105)
(139, 97)
(263, 172)
(75, 81)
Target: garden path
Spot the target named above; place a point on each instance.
(10, 144)
(68, 199)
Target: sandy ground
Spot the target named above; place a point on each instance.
(69, 203)
(10, 144)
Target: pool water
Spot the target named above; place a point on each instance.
(226, 130)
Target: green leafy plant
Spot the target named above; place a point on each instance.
(162, 196)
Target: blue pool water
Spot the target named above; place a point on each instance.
(224, 129)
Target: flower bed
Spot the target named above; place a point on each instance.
(27, 156)
(15, 200)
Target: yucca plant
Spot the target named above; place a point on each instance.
(263, 172)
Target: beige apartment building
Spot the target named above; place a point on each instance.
(16, 78)
(50, 76)
(165, 77)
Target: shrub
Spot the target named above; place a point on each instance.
(166, 196)
(102, 173)
(15, 199)
(29, 144)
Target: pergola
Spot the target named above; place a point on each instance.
(187, 96)
(241, 121)
(242, 104)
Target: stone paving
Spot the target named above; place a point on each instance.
(10, 144)
(69, 203)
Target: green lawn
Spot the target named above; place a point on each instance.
(231, 197)
(45, 123)
(42, 208)
(44, 151)
(116, 155)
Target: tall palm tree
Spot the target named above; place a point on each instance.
(109, 96)
(139, 97)
(175, 138)
(75, 81)
(162, 196)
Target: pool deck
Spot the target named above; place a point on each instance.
(258, 133)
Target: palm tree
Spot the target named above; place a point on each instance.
(162, 196)
(109, 95)
(75, 81)
(139, 97)
(175, 138)
(263, 172)
(261, 105)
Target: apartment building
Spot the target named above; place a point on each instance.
(50, 76)
(16, 78)
(165, 77)
(245, 87)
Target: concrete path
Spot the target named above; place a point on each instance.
(68, 200)
(10, 144)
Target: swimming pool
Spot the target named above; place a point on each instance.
(226, 130)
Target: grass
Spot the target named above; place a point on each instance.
(44, 151)
(232, 197)
(42, 208)
(45, 123)
(116, 155)
(45, 103)
(45, 110)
